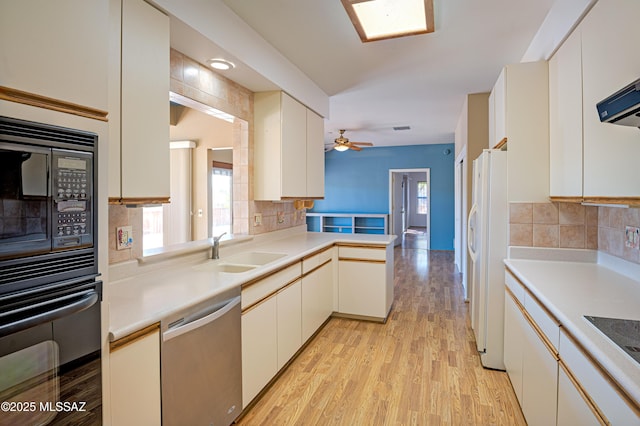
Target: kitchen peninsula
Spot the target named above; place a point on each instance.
(327, 274)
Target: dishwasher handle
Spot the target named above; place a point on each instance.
(200, 322)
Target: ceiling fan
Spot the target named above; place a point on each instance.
(342, 144)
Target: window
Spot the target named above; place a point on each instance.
(152, 222)
(421, 204)
(221, 198)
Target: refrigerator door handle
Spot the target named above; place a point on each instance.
(471, 232)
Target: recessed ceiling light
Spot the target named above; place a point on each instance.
(383, 19)
(221, 64)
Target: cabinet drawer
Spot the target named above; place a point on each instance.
(596, 384)
(313, 261)
(363, 253)
(253, 292)
(547, 324)
(514, 285)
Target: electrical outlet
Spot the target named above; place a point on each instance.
(257, 219)
(632, 237)
(124, 237)
(280, 217)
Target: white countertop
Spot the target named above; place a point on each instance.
(572, 289)
(143, 299)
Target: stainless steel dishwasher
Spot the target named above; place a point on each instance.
(201, 363)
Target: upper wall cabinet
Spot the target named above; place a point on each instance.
(139, 104)
(288, 151)
(519, 117)
(55, 53)
(609, 63)
(565, 121)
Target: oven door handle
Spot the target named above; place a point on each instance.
(87, 300)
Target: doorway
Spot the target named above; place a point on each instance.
(410, 204)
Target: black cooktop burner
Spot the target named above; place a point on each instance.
(624, 333)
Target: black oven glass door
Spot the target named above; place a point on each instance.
(25, 200)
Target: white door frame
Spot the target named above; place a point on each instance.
(393, 216)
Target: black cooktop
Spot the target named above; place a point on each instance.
(624, 333)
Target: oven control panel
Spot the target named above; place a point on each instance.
(72, 188)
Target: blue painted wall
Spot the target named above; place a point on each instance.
(359, 182)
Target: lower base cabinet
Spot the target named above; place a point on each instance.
(514, 323)
(259, 348)
(365, 281)
(317, 299)
(289, 322)
(134, 366)
(572, 407)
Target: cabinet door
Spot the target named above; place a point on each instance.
(315, 155)
(294, 148)
(259, 348)
(56, 49)
(565, 119)
(539, 380)
(144, 157)
(135, 382)
(317, 299)
(611, 152)
(572, 407)
(362, 289)
(514, 324)
(289, 335)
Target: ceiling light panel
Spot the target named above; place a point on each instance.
(383, 19)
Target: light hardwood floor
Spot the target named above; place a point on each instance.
(420, 368)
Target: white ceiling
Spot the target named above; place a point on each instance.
(418, 81)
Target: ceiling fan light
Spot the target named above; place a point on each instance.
(341, 148)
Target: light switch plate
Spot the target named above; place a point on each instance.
(632, 237)
(124, 237)
(257, 219)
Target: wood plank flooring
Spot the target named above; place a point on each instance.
(420, 368)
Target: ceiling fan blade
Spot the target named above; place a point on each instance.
(355, 148)
(362, 143)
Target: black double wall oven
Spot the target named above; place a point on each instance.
(49, 289)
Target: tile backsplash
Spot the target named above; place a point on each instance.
(570, 225)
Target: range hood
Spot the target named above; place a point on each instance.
(623, 107)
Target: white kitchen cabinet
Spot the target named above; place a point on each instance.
(259, 348)
(514, 325)
(287, 153)
(605, 398)
(565, 120)
(271, 327)
(315, 155)
(317, 292)
(57, 50)
(139, 104)
(134, 368)
(365, 281)
(289, 335)
(611, 152)
(539, 379)
(520, 113)
(573, 408)
(531, 339)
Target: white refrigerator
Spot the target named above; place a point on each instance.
(487, 245)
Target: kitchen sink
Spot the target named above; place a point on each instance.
(228, 268)
(257, 258)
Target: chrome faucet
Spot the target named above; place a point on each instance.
(215, 248)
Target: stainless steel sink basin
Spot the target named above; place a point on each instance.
(225, 267)
(257, 258)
